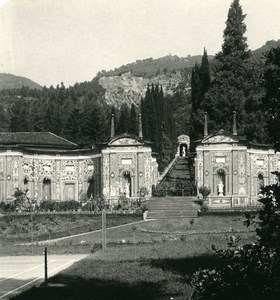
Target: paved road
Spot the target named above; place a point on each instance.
(18, 273)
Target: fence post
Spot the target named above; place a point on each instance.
(104, 230)
(46, 266)
(32, 233)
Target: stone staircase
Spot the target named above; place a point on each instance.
(179, 171)
(171, 207)
(179, 180)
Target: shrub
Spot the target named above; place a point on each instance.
(251, 271)
(204, 190)
(7, 207)
(50, 205)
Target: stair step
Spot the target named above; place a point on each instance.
(171, 207)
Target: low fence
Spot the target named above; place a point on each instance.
(231, 211)
(174, 192)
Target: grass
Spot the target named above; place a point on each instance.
(143, 233)
(159, 265)
(16, 229)
(161, 270)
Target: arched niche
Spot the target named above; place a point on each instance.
(221, 181)
(183, 145)
(91, 191)
(126, 183)
(46, 189)
(260, 182)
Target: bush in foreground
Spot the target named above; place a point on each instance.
(251, 271)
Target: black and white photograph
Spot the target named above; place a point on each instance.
(140, 149)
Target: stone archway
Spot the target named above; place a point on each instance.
(183, 145)
(183, 150)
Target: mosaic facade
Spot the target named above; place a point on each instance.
(122, 166)
(233, 170)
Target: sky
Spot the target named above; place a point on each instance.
(54, 41)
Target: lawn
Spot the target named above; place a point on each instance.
(17, 229)
(150, 260)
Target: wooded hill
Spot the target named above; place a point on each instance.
(10, 81)
(173, 96)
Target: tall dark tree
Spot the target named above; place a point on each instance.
(232, 82)
(19, 116)
(36, 116)
(200, 84)
(4, 119)
(196, 87)
(144, 112)
(75, 126)
(205, 72)
(158, 123)
(133, 126)
(271, 101)
(124, 119)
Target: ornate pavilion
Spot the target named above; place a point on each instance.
(233, 169)
(52, 168)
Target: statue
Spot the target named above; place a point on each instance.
(184, 151)
(127, 190)
(27, 194)
(221, 188)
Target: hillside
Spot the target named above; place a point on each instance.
(150, 67)
(9, 81)
(129, 89)
(128, 83)
(258, 54)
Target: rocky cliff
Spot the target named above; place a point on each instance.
(129, 89)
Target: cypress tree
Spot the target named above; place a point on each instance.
(204, 73)
(133, 125)
(124, 120)
(196, 87)
(232, 75)
(200, 84)
(271, 100)
(144, 113)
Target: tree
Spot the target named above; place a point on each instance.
(158, 123)
(200, 83)
(205, 72)
(19, 116)
(124, 120)
(232, 79)
(133, 126)
(271, 101)
(4, 118)
(75, 125)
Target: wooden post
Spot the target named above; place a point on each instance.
(104, 242)
(32, 234)
(46, 266)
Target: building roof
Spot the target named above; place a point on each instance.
(38, 139)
